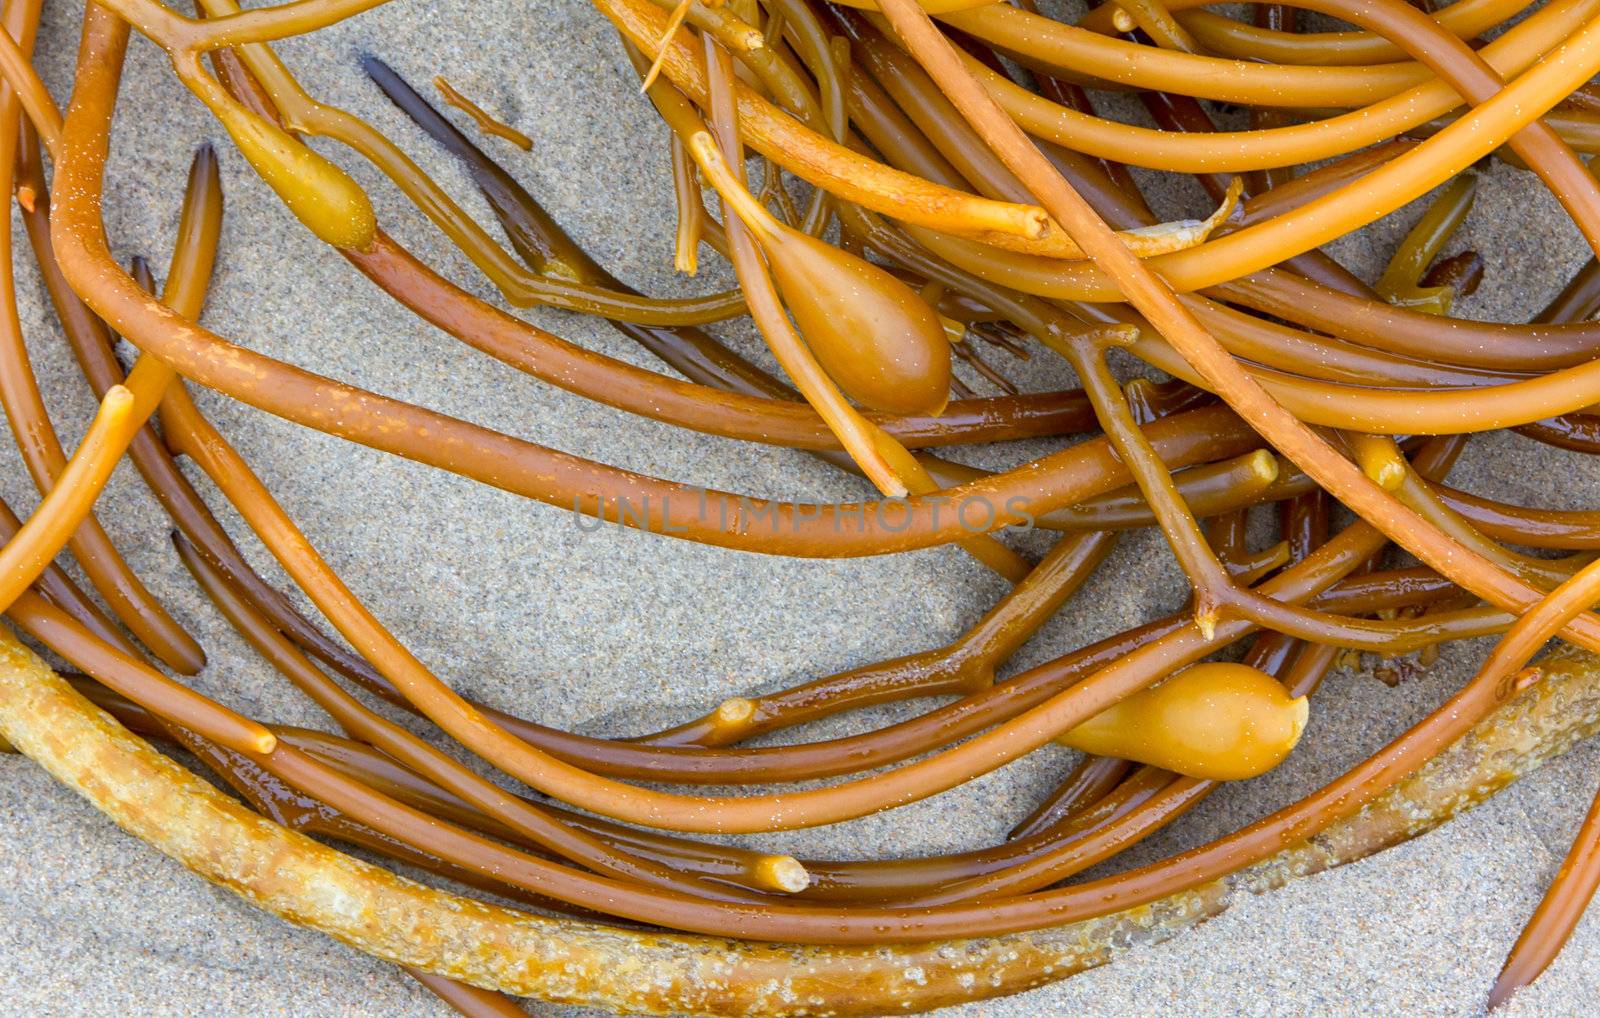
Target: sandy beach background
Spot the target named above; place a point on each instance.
(618, 632)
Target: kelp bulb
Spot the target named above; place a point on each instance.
(1224, 722)
(320, 194)
(874, 336)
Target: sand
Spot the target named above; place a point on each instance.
(616, 632)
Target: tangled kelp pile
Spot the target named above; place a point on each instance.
(1325, 389)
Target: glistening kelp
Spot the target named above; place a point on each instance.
(964, 188)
